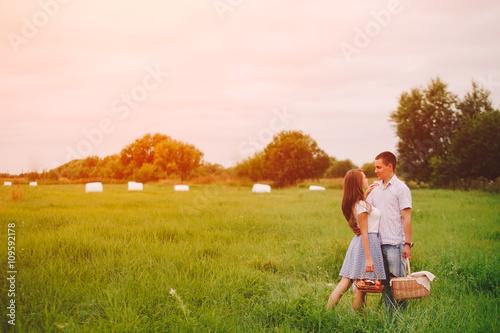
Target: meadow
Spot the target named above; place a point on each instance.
(224, 259)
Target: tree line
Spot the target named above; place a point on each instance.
(443, 140)
(149, 158)
(291, 156)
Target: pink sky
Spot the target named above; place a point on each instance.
(80, 78)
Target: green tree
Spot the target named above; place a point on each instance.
(252, 167)
(369, 170)
(424, 121)
(290, 157)
(338, 169)
(475, 102)
(475, 150)
(293, 156)
(443, 138)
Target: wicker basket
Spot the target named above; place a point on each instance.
(369, 288)
(404, 288)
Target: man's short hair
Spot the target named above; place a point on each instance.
(387, 158)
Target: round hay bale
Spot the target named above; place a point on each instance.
(316, 188)
(261, 188)
(93, 187)
(181, 188)
(133, 186)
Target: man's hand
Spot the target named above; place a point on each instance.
(407, 252)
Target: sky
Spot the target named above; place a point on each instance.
(83, 78)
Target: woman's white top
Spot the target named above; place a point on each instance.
(373, 216)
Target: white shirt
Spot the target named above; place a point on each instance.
(373, 216)
(391, 200)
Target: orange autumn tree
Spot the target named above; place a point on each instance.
(159, 156)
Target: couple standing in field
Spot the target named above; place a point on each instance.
(381, 220)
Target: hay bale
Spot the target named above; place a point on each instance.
(133, 186)
(7, 183)
(33, 183)
(93, 187)
(181, 188)
(261, 188)
(316, 188)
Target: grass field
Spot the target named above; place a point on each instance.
(238, 261)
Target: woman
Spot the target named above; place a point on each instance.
(364, 253)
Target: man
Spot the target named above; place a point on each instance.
(393, 199)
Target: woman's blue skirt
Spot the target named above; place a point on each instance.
(355, 261)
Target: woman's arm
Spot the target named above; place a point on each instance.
(363, 225)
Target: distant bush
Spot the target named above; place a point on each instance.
(329, 183)
(369, 170)
(338, 169)
(478, 184)
(416, 185)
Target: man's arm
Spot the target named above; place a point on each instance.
(406, 216)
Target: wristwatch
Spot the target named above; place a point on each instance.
(409, 244)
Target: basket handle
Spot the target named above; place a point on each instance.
(408, 265)
(378, 275)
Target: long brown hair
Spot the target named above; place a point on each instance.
(353, 193)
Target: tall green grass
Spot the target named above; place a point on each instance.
(238, 261)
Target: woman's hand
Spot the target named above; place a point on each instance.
(363, 225)
(369, 266)
(370, 188)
